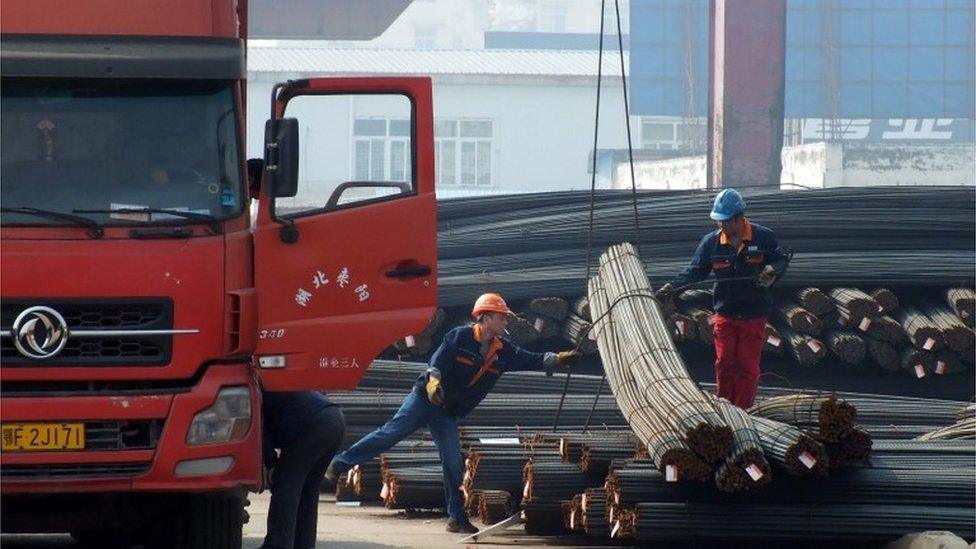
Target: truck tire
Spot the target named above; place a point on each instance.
(209, 522)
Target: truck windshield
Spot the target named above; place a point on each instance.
(90, 147)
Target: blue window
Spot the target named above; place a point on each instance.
(925, 97)
(890, 100)
(855, 100)
(855, 64)
(927, 27)
(855, 28)
(891, 27)
(958, 27)
(957, 62)
(926, 64)
(891, 64)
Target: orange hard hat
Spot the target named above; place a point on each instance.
(489, 303)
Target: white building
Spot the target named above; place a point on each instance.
(507, 121)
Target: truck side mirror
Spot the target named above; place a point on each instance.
(281, 157)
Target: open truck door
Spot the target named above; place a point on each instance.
(346, 237)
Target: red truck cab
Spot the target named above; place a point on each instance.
(143, 309)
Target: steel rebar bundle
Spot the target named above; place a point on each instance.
(807, 350)
(956, 334)
(963, 302)
(884, 328)
(685, 327)
(920, 328)
(669, 450)
(651, 357)
(532, 246)
(886, 298)
(746, 468)
(798, 318)
(593, 507)
(860, 304)
(774, 340)
(847, 346)
(827, 417)
(494, 506)
(791, 449)
(815, 300)
(884, 354)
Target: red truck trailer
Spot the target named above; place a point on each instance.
(143, 308)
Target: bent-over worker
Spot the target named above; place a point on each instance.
(461, 372)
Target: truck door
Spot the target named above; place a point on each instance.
(345, 264)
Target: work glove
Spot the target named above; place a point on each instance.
(766, 277)
(566, 359)
(435, 393)
(665, 293)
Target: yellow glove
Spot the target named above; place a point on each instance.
(766, 277)
(567, 358)
(435, 393)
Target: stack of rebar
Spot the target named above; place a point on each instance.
(494, 506)
(963, 302)
(638, 341)
(825, 417)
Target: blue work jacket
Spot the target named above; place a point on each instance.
(736, 298)
(466, 375)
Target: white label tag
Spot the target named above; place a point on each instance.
(920, 371)
(539, 324)
(499, 441)
(410, 341)
(929, 343)
(964, 314)
(774, 341)
(808, 460)
(670, 473)
(865, 324)
(940, 367)
(755, 473)
(385, 491)
(681, 326)
(814, 346)
(592, 335)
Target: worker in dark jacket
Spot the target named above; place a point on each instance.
(748, 253)
(307, 428)
(461, 373)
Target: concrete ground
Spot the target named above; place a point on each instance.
(339, 527)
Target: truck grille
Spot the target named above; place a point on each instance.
(75, 470)
(101, 314)
(122, 435)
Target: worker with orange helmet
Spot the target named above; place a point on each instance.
(460, 374)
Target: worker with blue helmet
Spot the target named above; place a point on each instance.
(744, 257)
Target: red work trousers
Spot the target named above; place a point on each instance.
(738, 348)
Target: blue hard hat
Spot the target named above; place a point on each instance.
(728, 204)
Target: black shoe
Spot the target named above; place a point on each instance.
(465, 527)
(334, 471)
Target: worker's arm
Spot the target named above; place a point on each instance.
(521, 360)
(444, 358)
(774, 254)
(700, 266)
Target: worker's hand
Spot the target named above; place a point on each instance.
(566, 359)
(435, 393)
(766, 277)
(665, 293)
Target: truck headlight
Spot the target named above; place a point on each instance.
(227, 420)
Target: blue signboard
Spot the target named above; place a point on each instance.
(876, 59)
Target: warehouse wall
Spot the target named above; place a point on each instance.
(829, 165)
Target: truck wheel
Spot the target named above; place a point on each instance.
(210, 522)
(110, 538)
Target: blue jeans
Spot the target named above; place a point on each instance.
(415, 412)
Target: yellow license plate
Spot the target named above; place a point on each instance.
(30, 437)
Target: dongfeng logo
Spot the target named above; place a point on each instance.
(39, 332)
